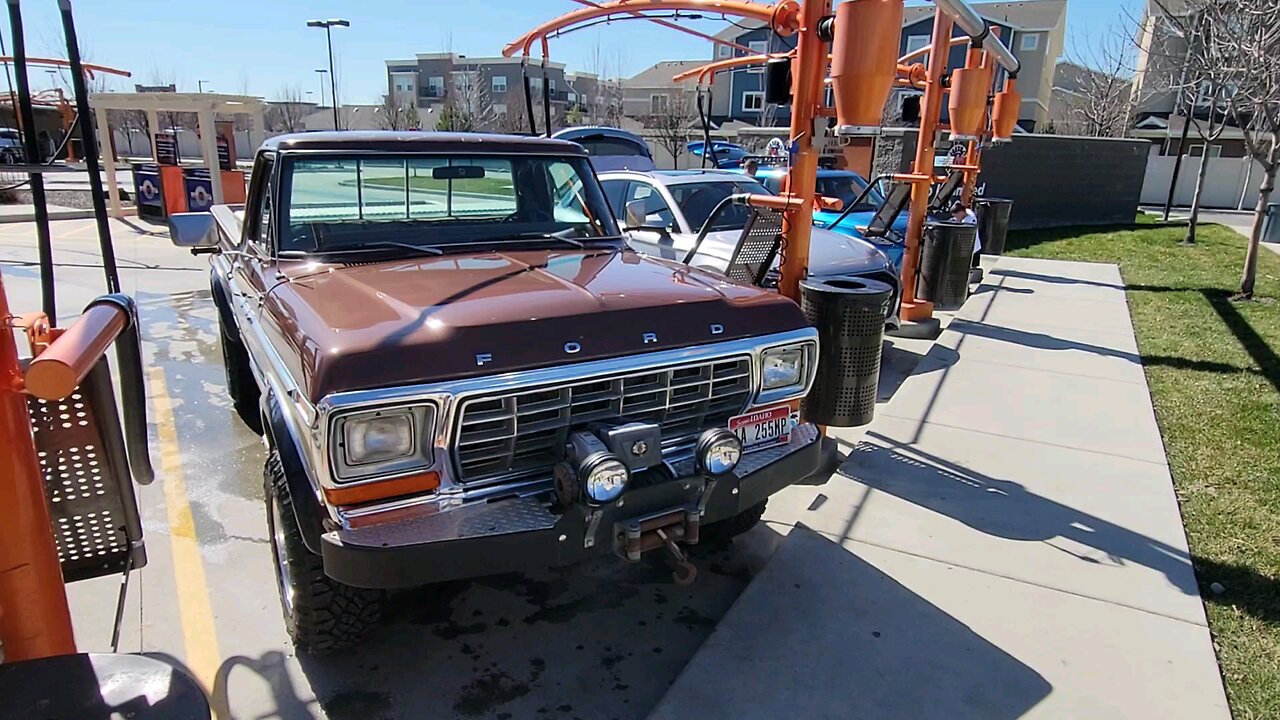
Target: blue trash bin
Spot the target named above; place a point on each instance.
(148, 191)
(199, 189)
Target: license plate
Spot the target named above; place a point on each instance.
(763, 428)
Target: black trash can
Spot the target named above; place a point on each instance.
(946, 255)
(849, 314)
(1271, 224)
(993, 223)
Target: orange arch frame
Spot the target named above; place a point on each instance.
(783, 18)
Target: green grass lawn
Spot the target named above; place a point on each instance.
(1214, 370)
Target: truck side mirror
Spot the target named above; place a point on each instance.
(193, 230)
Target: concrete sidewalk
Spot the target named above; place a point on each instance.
(1002, 542)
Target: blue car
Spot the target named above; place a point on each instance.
(727, 155)
(848, 185)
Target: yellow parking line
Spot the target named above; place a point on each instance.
(199, 637)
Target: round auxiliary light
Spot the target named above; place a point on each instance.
(718, 452)
(603, 477)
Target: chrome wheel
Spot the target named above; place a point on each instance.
(283, 578)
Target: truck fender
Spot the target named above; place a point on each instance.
(222, 301)
(306, 506)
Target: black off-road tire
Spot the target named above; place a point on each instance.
(718, 533)
(241, 385)
(324, 615)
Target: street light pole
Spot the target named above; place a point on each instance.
(320, 73)
(200, 85)
(328, 26)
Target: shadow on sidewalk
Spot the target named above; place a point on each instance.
(1006, 509)
(825, 634)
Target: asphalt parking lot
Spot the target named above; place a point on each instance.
(603, 640)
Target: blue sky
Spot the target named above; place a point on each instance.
(261, 46)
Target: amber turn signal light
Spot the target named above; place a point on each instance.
(383, 489)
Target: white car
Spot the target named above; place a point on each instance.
(664, 211)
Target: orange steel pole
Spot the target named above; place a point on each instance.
(930, 113)
(34, 619)
(975, 58)
(808, 70)
(974, 156)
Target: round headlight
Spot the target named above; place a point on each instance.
(603, 478)
(718, 452)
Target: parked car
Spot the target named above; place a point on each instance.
(726, 154)
(460, 368)
(611, 148)
(847, 186)
(673, 205)
(11, 151)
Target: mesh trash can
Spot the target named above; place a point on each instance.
(993, 223)
(945, 258)
(849, 314)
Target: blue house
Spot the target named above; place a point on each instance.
(1033, 29)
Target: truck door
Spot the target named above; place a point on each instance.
(252, 270)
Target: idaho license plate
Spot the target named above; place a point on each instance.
(763, 428)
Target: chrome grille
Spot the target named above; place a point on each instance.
(505, 436)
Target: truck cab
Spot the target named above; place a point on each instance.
(460, 368)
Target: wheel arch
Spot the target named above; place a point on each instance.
(306, 506)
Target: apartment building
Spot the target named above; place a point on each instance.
(1034, 30)
(429, 80)
(1160, 107)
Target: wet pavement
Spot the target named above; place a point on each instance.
(601, 640)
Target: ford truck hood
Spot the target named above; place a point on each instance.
(420, 320)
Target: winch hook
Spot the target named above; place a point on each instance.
(682, 571)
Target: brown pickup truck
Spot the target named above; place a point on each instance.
(460, 368)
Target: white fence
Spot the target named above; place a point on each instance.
(1229, 183)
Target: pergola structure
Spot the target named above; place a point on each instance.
(205, 105)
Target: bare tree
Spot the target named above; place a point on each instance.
(1097, 84)
(670, 119)
(128, 122)
(514, 117)
(286, 112)
(1233, 55)
(398, 113)
(467, 103)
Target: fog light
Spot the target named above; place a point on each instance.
(603, 477)
(718, 452)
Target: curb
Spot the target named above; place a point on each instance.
(73, 214)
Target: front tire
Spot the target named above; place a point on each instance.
(321, 614)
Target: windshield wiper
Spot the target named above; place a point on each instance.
(539, 236)
(366, 247)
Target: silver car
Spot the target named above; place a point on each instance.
(664, 212)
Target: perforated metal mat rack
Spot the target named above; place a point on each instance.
(87, 480)
(753, 256)
(757, 246)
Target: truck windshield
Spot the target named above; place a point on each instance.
(335, 202)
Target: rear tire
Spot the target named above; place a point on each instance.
(321, 614)
(718, 533)
(241, 385)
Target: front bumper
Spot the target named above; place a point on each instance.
(522, 533)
